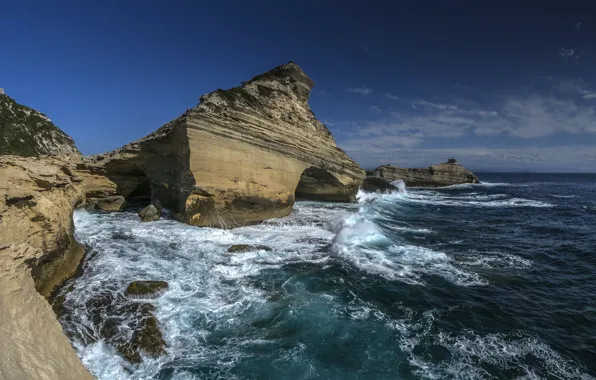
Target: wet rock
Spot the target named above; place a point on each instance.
(147, 338)
(149, 214)
(377, 185)
(239, 248)
(145, 288)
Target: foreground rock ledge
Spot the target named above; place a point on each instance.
(445, 174)
(241, 156)
(37, 253)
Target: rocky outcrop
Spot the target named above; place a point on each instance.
(37, 253)
(445, 174)
(27, 132)
(240, 156)
(377, 185)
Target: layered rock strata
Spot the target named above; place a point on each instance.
(37, 253)
(240, 156)
(445, 174)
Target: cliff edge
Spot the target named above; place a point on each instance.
(37, 252)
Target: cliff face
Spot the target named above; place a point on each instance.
(445, 174)
(240, 156)
(37, 252)
(27, 132)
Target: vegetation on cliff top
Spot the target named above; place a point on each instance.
(27, 132)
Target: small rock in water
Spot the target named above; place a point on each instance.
(239, 248)
(144, 288)
(149, 214)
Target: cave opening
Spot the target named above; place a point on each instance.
(318, 184)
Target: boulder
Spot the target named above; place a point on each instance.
(377, 185)
(239, 248)
(37, 253)
(149, 214)
(445, 174)
(239, 157)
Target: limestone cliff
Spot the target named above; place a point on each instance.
(27, 132)
(37, 252)
(445, 174)
(240, 156)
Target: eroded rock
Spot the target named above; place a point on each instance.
(37, 252)
(239, 157)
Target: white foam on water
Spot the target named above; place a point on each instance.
(468, 350)
(493, 259)
(361, 242)
(212, 288)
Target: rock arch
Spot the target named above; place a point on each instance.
(320, 185)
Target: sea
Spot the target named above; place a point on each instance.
(495, 280)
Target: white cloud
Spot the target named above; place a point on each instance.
(391, 96)
(563, 158)
(375, 108)
(360, 90)
(578, 26)
(563, 109)
(566, 53)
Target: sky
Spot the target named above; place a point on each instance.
(501, 86)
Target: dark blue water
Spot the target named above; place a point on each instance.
(489, 281)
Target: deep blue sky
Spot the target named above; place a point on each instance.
(500, 86)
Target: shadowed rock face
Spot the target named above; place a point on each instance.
(27, 132)
(239, 157)
(445, 174)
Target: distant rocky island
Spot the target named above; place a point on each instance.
(445, 174)
(239, 157)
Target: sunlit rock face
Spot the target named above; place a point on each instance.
(239, 157)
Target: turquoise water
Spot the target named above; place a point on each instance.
(494, 281)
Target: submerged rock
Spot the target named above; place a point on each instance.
(128, 325)
(147, 337)
(239, 157)
(149, 214)
(445, 174)
(145, 288)
(239, 248)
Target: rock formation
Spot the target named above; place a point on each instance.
(37, 253)
(445, 174)
(240, 156)
(27, 132)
